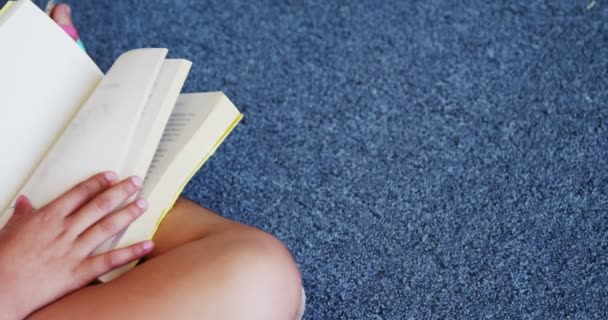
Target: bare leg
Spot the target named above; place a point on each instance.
(203, 267)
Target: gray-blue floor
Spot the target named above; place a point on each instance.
(422, 159)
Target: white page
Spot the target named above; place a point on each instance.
(99, 138)
(185, 119)
(198, 124)
(178, 130)
(44, 78)
(156, 114)
(154, 118)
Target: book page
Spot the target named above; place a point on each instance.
(183, 123)
(156, 114)
(44, 79)
(154, 118)
(198, 125)
(99, 137)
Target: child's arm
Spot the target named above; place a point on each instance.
(46, 255)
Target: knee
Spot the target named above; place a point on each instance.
(267, 277)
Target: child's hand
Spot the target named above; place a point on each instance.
(47, 254)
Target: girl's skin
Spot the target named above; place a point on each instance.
(202, 266)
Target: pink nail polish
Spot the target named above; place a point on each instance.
(110, 176)
(137, 181)
(141, 203)
(147, 245)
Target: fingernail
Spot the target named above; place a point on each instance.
(20, 199)
(110, 176)
(137, 181)
(68, 9)
(147, 245)
(141, 203)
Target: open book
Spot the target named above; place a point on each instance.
(62, 120)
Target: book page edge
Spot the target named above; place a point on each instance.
(196, 168)
(5, 7)
(117, 272)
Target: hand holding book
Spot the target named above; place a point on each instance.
(67, 231)
(132, 120)
(64, 120)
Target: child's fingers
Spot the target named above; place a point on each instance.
(23, 208)
(81, 194)
(110, 225)
(98, 265)
(102, 205)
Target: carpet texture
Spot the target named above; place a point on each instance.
(421, 159)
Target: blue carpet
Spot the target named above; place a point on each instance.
(421, 159)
